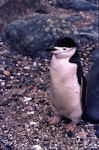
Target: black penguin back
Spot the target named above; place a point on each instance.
(81, 79)
(91, 112)
(76, 59)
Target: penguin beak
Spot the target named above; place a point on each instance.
(51, 49)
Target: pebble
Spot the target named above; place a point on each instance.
(24, 115)
(4, 103)
(27, 99)
(68, 148)
(37, 147)
(6, 72)
(35, 64)
(70, 134)
(30, 112)
(1, 118)
(3, 83)
(27, 67)
(1, 70)
(11, 77)
(9, 147)
(82, 135)
(33, 123)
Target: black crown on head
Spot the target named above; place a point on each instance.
(65, 42)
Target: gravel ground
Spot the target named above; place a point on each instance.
(24, 101)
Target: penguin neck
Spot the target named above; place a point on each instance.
(56, 60)
(59, 57)
(65, 55)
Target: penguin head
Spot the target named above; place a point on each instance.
(64, 47)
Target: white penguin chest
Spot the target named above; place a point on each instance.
(63, 71)
(64, 87)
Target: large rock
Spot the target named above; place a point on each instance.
(89, 34)
(18, 8)
(76, 4)
(33, 34)
(13, 2)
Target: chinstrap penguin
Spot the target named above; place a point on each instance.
(91, 110)
(66, 80)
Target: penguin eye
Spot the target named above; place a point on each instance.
(64, 49)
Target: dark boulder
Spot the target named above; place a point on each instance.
(33, 34)
(17, 8)
(11, 10)
(76, 5)
(89, 34)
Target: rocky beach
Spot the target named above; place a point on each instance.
(24, 77)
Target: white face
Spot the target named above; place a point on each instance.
(64, 51)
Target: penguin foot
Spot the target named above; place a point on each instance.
(54, 120)
(70, 127)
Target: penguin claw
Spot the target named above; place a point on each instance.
(71, 126)
(54, 120)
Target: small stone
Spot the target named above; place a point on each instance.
(9, 147)
(24, 115)
(3, 83)
(4, 103)
(1, 70)
(30, 112)
(82, 135)
(37, 147)
(70, 134)
(11, 77)
(26, 125)
(33, 123)
(18, 73)
(68, 148)
(47, 29)
(43, 69)
(1, 118)
(35, 64)
(6, 72)
(27, 67)
(27, 99)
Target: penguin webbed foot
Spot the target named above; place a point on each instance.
(54, 120)
(71, 126)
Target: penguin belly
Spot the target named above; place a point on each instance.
(65, 91)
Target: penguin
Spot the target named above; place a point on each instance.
(91, 110)
(66, 78)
